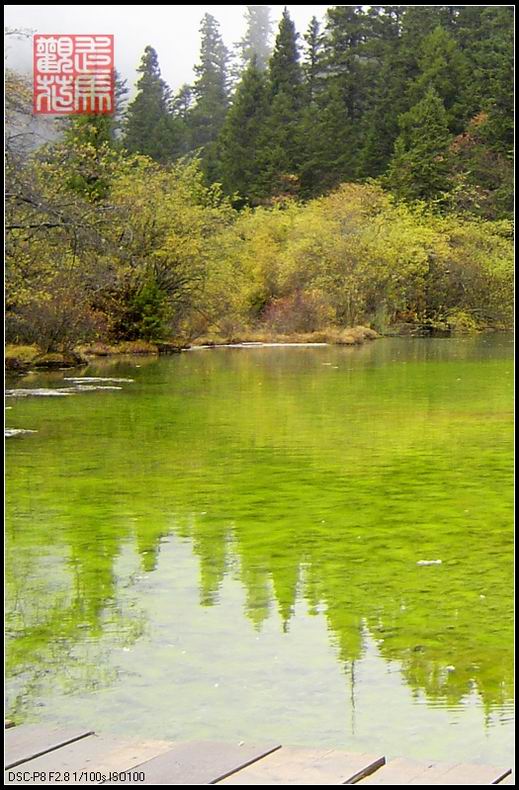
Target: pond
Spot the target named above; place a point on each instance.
(230, 546)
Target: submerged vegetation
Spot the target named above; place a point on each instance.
(307, 485)
(264, 204)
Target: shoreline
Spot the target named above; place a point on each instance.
(20, 358)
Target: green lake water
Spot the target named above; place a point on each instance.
(227, 547)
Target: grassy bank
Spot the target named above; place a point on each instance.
(24, 357)
(21, 358)
(353, 336)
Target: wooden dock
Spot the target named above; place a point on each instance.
(37, 754)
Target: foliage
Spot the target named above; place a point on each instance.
(190, 224)
(150, 128)
(163, 247)
(211, 92)
(420, 166)
(358, 106)
(256, 41)
(242, 134)
(359, 256)
(279, 142)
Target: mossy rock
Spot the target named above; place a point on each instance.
(56, 360)
(462, 323)
(170, 347)
(15, 364)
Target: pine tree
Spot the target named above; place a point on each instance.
(360, 101)
(419, 21)
(347, 33)
(415, 50)
(485, 34)
(443, 65)
(181, 106)
(182, 102)
(242, 134)
(312, 59)
(310, 126)
(121, 93)
(285, 70)
(150, 128)
(350, 67)
(419, 169)
(387, 99)
(210, 89)
(281, 145)
(256, 41)
(381, 122)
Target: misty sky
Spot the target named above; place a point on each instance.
(171, 30)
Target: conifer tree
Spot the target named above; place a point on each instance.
(181, 106)
(150, 128)
(310, 120)
(485, 34)
(312, 61)
(210, 90)
(349, 68)
(443, 66)
(365, 81)
(281, 154)
(183, 102)
(242, 134)
(387, 95)
(419, 169)
(256, 41)
(381, 121)
(285, 70)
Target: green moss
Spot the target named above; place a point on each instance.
(461, 322)
(21, 354)
(247, 524)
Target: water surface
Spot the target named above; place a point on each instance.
(227, 547)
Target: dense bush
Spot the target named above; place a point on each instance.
(358, 256)
(298, 312)
(155, 253)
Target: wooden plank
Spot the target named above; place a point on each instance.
(465, 774)
(8, 723)
(201, 762)
(30, 740)
(397, 771)
(306, 767)
(411, 772)
(91, 759)
(460, 774)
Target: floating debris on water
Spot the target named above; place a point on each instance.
(17, 432)
(255, 345)
(77, 386)
(92, 388)
(429, 562)
(41, 393)
(94, 379)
